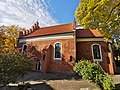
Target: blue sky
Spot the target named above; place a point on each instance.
(47, 12)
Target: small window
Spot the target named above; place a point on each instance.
(24, 48)
(96, 51)
(44, 57)
(58, 51)
(38, 65)
(70, 58)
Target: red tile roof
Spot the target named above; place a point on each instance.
(85, 33)
(52, 30)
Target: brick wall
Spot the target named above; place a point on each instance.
(84, 51)
(77, 51)
(68, 49)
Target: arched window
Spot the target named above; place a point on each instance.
(58, 51)
(24, 48)
(96, 52)
(38, 65)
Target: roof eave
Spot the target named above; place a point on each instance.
(45, 35)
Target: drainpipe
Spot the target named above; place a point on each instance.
(110, 55)
(75, 43)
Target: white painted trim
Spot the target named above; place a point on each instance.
(54, 52)
(100, 52)
(53, 37)
(89, 39)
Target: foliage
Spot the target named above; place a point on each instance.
(8, 38)
(92, 72)
(2, 41)
(101, 14)
(13, 66)
(116, 52)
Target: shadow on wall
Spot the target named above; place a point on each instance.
(37, 57)
(70, 61)
(35, 52)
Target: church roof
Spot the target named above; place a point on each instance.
(36, 31)
(51, 30)
(88, 33)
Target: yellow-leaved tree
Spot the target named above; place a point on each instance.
(8, 39)
(101, 14)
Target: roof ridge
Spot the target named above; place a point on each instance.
(49, 30)
(56, 25)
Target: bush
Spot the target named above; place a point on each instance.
(92, 72)
(13, 66)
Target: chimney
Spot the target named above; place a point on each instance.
(33, 28)
(30, 30)
(20, 34)
(74, 24)
(27, 31)
(37, 24)
(24, 32)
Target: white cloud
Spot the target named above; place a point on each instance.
(25, 12)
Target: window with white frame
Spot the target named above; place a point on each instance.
(96, 52)
(58, 51)
(24, 48)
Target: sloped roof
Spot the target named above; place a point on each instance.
(51, 30)
(88, 33)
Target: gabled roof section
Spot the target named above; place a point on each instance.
(88, 33)
(51, 30)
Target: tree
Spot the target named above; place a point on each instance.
(101, 14)
(2, 41)
(10, 34)
(13, 66)
(93, 72)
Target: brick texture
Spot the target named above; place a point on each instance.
(84, 50)
(64, 65)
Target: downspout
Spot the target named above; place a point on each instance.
(112, 68)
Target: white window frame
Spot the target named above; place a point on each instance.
(60, 52)
(23, 47)
(93, 53)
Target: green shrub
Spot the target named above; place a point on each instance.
(92, 72)
(13, 66)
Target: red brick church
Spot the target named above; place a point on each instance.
(57, 48)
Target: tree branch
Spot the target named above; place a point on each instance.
(112, 11)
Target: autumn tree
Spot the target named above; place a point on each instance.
(2, 41)
(9, 37)
(12, 64)
(101, 14)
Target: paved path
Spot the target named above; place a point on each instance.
(58, 81)
(55, 81)
(61, 85)
(116, 79)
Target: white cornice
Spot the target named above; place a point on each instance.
(89, 39)
(53, 37)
